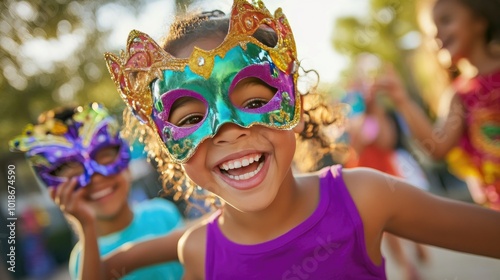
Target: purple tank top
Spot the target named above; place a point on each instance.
(327, 245)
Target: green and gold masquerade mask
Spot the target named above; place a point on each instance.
(151, 80)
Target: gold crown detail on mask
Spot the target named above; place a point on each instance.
(144, 60)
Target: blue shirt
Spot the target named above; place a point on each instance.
(152, 218)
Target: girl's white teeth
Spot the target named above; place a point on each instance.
(245, 161)
(101, 193)
(246, 175)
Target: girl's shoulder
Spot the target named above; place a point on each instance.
(370, 189)
(375, 195)
(380, 197)
(364, 182)
(192, 247)
(367, 187)
(193, 240)
(196, 233)
(356, 179)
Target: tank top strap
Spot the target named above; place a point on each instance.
(342, 202)
(331, 178)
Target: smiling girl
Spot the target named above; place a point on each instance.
(220, 97)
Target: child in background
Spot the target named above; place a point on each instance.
(469, 136)
(373, 134)
(220, 97)
(79, 155)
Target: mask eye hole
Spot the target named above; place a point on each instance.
(106, 155)
(252, 93)
(68, 169)
(266, 35)
(187, 112)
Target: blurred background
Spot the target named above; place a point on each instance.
(51, 54)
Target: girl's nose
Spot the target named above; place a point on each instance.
(96, 178)
(230, 133)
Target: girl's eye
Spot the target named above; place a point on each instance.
(190, 120)
(187, 111)
(107, 155)
(251, 93)
(68, 169)
(254, 103)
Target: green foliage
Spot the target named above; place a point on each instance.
(390, 32)
(379, 33)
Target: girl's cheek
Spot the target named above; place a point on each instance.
(191, 171)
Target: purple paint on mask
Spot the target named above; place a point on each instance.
(283, 83)
(168, 99)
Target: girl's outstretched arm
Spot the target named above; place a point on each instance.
(417, 215)
(137, 255)
(154, 251)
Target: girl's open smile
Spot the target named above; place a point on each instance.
(244, 172)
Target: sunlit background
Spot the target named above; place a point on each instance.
(51, 54)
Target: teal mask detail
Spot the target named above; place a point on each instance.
(281, 112)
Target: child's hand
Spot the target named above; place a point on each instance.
(390, 83)
(73, 202)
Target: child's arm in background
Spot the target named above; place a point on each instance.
(386, 137)
(91, 266)
(391, 204)
(137, 255)
(437, 140)
(72, 204)
(374, 127)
